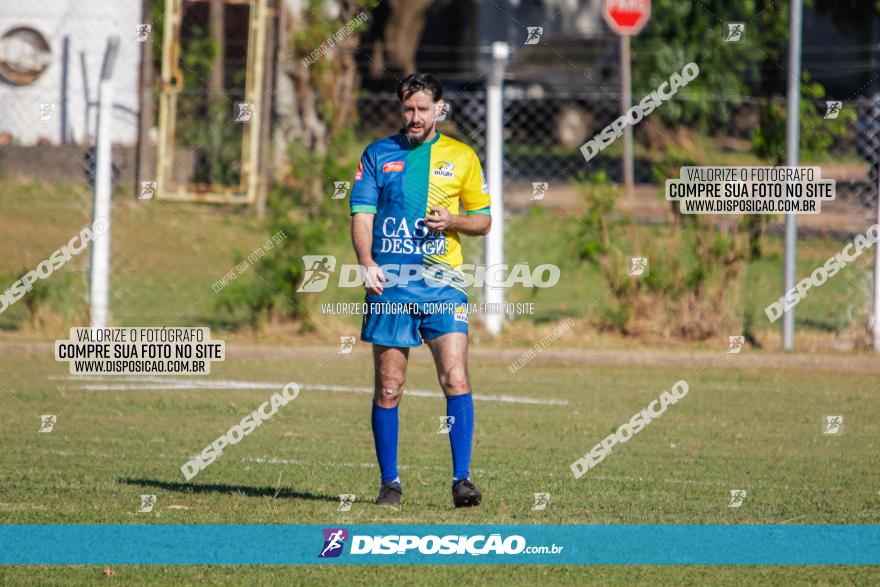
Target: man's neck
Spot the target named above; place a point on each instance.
(427, 139)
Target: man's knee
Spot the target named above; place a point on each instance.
(454, 380)
(388, 391)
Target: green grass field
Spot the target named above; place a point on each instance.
(751, 421)
(166, 256)
(753, 429)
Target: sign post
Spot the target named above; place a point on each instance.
(627, 18)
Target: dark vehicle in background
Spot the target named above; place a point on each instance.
(559, 91)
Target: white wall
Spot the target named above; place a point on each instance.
(87, 24)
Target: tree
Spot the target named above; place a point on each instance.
(396, 49)
(317, 84)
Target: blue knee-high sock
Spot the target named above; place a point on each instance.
(461, 435)
(385, 426)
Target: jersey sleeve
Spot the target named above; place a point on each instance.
(475, 191)
(365, 192)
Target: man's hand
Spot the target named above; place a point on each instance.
(373, 278)
(439, 219)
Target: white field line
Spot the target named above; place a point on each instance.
(146, 383)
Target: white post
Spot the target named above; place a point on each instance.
(494, 163)
(875, 315)
(792, 136)
(99, 291)
(626, 101)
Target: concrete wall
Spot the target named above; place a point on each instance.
(71, 80)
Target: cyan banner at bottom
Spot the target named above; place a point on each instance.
(643, 544)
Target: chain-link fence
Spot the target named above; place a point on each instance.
(543, 135)
(866, 142)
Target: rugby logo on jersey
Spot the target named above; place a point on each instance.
(360, 172)
(392, 166)
(444, 169)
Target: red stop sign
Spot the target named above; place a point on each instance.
(627, 17)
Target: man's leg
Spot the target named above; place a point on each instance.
(390, 373)
(450, 358)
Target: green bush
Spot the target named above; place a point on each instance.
(59, 296)
(691, 273)
(267, 291)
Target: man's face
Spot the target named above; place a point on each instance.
(419, 116)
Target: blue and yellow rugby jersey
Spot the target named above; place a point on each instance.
(399, 184)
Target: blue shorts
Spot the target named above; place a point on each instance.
(401, 324)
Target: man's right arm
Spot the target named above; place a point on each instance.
(362, 239)
(364, 198)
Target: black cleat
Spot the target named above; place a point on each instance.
(464, 494)
(390, 494)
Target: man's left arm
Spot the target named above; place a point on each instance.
(475, 198)
(472, 224)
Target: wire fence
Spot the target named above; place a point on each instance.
(207, 146)
(543, 135)
(543, 131)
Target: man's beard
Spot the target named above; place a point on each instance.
(416, 140)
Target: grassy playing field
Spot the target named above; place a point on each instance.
(751, 421)
(166, 256)
(754, 427)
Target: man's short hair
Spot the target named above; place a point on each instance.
(418, 82)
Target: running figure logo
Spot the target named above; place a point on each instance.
(334, 540)
(244, 111)
(147, 503)
(148, 190)
(46, 111)
(737, 496)
(318, 270)
(736, 344)
(346, 344)
(340, 190)
(534, 35)
(637, 266)
(141, 32)
(735, 32)
(541, 501)
(833, 425)
(832, 108)
(446, 423)
(345, 501)
(539, 188)
(47, 423)
(441, 111)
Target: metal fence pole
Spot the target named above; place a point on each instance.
(875, 315)
(99, 290)
(626, 96)
(792, 139)
(494, 165)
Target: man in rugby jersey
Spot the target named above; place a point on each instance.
(405, 229)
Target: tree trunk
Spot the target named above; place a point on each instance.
(313, 103)
(403, 31)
